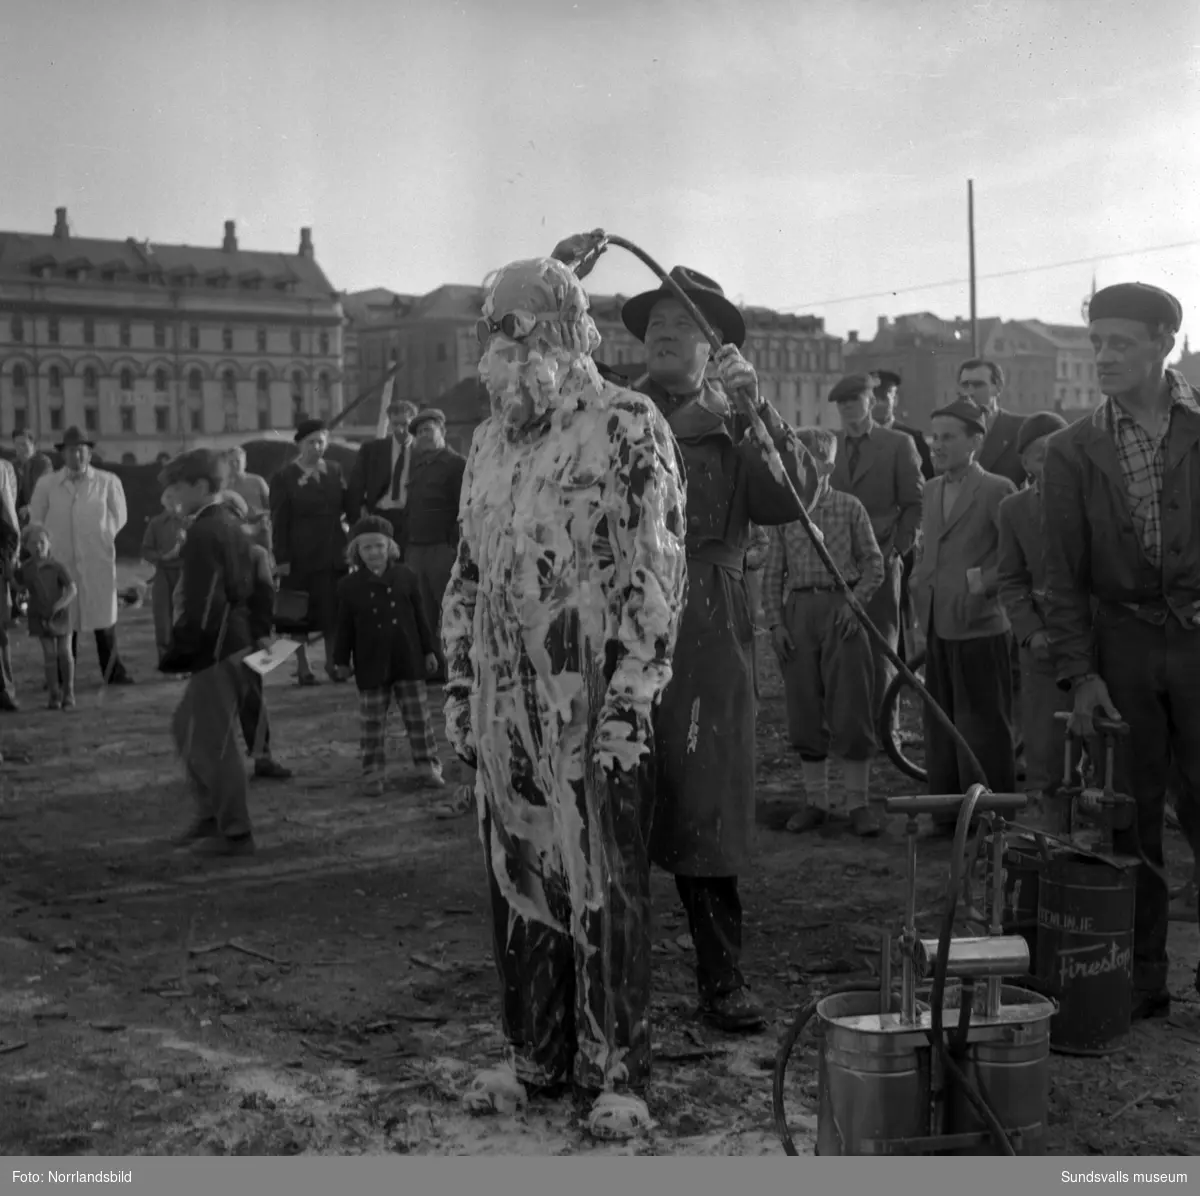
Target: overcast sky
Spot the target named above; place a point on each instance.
(799, 152)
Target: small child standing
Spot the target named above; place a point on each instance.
(824, 653)
(161, 547)
(51, 591)
(383, 634)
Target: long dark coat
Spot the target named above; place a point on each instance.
(704, 726)
(309, 536)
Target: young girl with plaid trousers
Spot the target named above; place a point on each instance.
(384, 636)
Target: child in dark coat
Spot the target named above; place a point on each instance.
(51, 592)
(383, 633)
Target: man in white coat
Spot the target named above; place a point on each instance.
(83, 509)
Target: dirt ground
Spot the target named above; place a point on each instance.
(335, 993)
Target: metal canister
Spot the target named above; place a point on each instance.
(874, 1077)
(1022, 878)
(1008, 1062)
(1085, 950)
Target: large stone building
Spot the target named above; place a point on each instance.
(1076, 387)
(432, 340)
(927, 350)
(153, 348)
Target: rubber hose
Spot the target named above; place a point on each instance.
(783, 1054)
(938, 1030)
(877, 638)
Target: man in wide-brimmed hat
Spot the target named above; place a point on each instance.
(83, 509)
(705, 724)
(1123, 582)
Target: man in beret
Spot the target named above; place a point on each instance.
(435, 481)
(882, 469)
(968, 665)
(705, 723)
(982, 382)
(1123, 581)
(1022, 579)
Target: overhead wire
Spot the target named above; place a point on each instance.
(1018, 272)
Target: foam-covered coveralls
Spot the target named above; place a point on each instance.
(558, 626)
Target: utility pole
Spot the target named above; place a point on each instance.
(971, 244)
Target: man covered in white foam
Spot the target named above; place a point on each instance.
(558, 626)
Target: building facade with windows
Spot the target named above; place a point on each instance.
(433, 342)
(156, 348)
(927, 350)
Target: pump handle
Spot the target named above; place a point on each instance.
(949, 803)
(1104, 726)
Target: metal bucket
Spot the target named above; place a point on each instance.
(1085, 950)
(1008, 1062)
(874, 1076)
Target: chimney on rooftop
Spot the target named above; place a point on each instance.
(883, 323)
(852, 337)
(62, 230)
(306, 245)
(229, 245)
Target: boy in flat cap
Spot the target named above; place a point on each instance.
(1022, 580)
(968, 665)
(212, 634)
(882, 469)
(824, 653)
(1123, 580)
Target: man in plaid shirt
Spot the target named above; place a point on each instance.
(1123, 582)
(824, 653)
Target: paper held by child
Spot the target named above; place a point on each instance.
(267, 659)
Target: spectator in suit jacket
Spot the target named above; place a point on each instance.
(434, 489)
(379, 478)
(887, 395)
(983, 383)
(880, 467)
(968, 668)
(30, 465)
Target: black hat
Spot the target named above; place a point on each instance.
(886, 378)
(851, 386)
(372, 525)
(968, 412)
(1037, 425)
(706, 294)
(306, 427)
(1136, 301)
(426, 415)
(73, 438)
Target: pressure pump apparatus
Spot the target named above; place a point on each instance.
(893, 1078)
